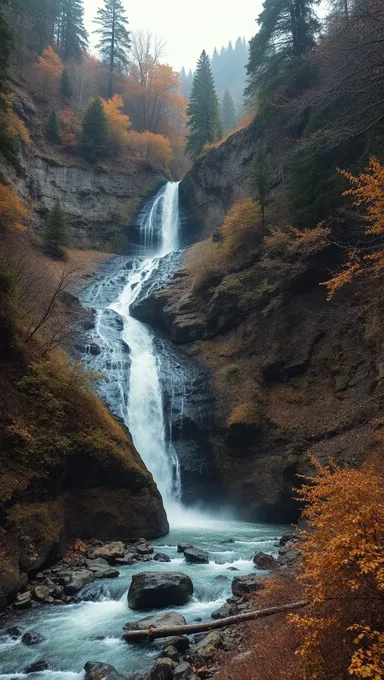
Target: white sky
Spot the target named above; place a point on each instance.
(187, 27)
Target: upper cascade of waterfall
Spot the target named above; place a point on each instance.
(160, 221)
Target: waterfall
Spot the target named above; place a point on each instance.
(143, 411)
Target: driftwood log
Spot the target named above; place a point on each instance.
(153, 633)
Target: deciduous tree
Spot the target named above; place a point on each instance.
(47, 70)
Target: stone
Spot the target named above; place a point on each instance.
(244, 585)
(288, 557)
(96, 563)
(153, 590)
(14, 632)
(32, 639)
(161, 557)
(233, 569)
(287, 536)
(23, 600)
(110, 572)
(227, 540)
(264, 561)
(168, 620)
(144, 549)
(171, 653)
(223, 612)
(128, 559)
(96, 670)
(221, 577)
(162, 669)
(40, 593)
(94, 349)
(196, 556)
(181, 643)
(182, 670)
(109, 551)
(37, 667)
(78, 580)
(183, 546)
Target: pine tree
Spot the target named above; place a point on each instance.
(228, 112)
(94, 136)
(203, 109)
(72, 39)
(56, 235)
(66, 88)
(53, 127)
(114, 40)
(288, 30)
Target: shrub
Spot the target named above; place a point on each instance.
(241, 227)
(69, 128)
(13, 212)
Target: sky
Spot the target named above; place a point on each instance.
(187, 27)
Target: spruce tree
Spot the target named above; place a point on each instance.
(73, 36)
(228, 112)
(94, 136)
(203, 109)
(66, 88)
(114, 42)
(53, 127)
(288, 29)
(56, 235)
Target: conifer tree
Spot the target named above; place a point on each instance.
(228, 112)
(56, 234)
(73, 37)
(287, 31)
(7, 147)
(66, 88)
(203, 109)
(53, 127)
(94, 135)
(114, 42)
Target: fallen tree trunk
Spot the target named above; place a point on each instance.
(153, 633)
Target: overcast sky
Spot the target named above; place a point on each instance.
(187, 27)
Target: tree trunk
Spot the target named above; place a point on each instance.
(153, 633)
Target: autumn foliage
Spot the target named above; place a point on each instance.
(13, 212)
(47, 73)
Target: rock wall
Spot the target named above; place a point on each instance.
(100, 203)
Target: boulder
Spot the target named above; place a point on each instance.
(181, 643)
(287, 536)
(196, 556)
(78, 579)
(23, 600)
(182, 670)
(227, 540)
(183, 546)
(153, 590)
(206, 648)
(223, 612)
(40, 593)
(288, 557)
(14, 632)
(244, 585)
(109, 551)
(94, 349)
(170, 652)
(128, 559)
(221, 577)
(37, 667)
(144, 549)
(161, 557)
(168, 620)
(96, 670)
(162, 669)
(32, 639)
(264, 561)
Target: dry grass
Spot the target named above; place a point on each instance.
(204, 260)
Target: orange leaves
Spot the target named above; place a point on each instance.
(310, 241)
(241, 226)
(12, 210)
(13, 124)
(155, 149)
(118, 124)
(69, 128)
(47, 70)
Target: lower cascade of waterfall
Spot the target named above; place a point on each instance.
(161, 397)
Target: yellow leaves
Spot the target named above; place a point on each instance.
(240, 224)
(368, 660)
(155, 149)
(310, 241)
(118, 124)
(47, 72)
(12, 210)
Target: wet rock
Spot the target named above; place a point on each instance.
(78, 579)
(162, 669)
(128, 559)
(199, 637)
(183, 546)
(287, 536)
(32, 639)
(109, 551)
(144, 549)
(101, 568)
(233, 569)
(288, 557)
(196, 556)
(152, 590)
(14, 632)
(94, 349)
(181, 643)
(221, 577)
(206, 648)
(223, 612)
(37, 667)
(168, 620)
(264, 561)
(23, 600)
(182, 670)
(96, 670)
(161, 557)
(171, 653)
(243, 585)
(227, 540)
(40, 593)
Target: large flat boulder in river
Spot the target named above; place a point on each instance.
(196, 556)
(168, 620)
(151, 590)
(96, 670)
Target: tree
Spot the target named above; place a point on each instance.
(56, 234)
(261, 181)
(53, 127)
(94, 135)
(69, 128)
(47, 70)
(118, 124)
(114, 40)
(66, 88)
(228, 112)
(7, 145)
(287, 31)
(203, 109)
(72, 39)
